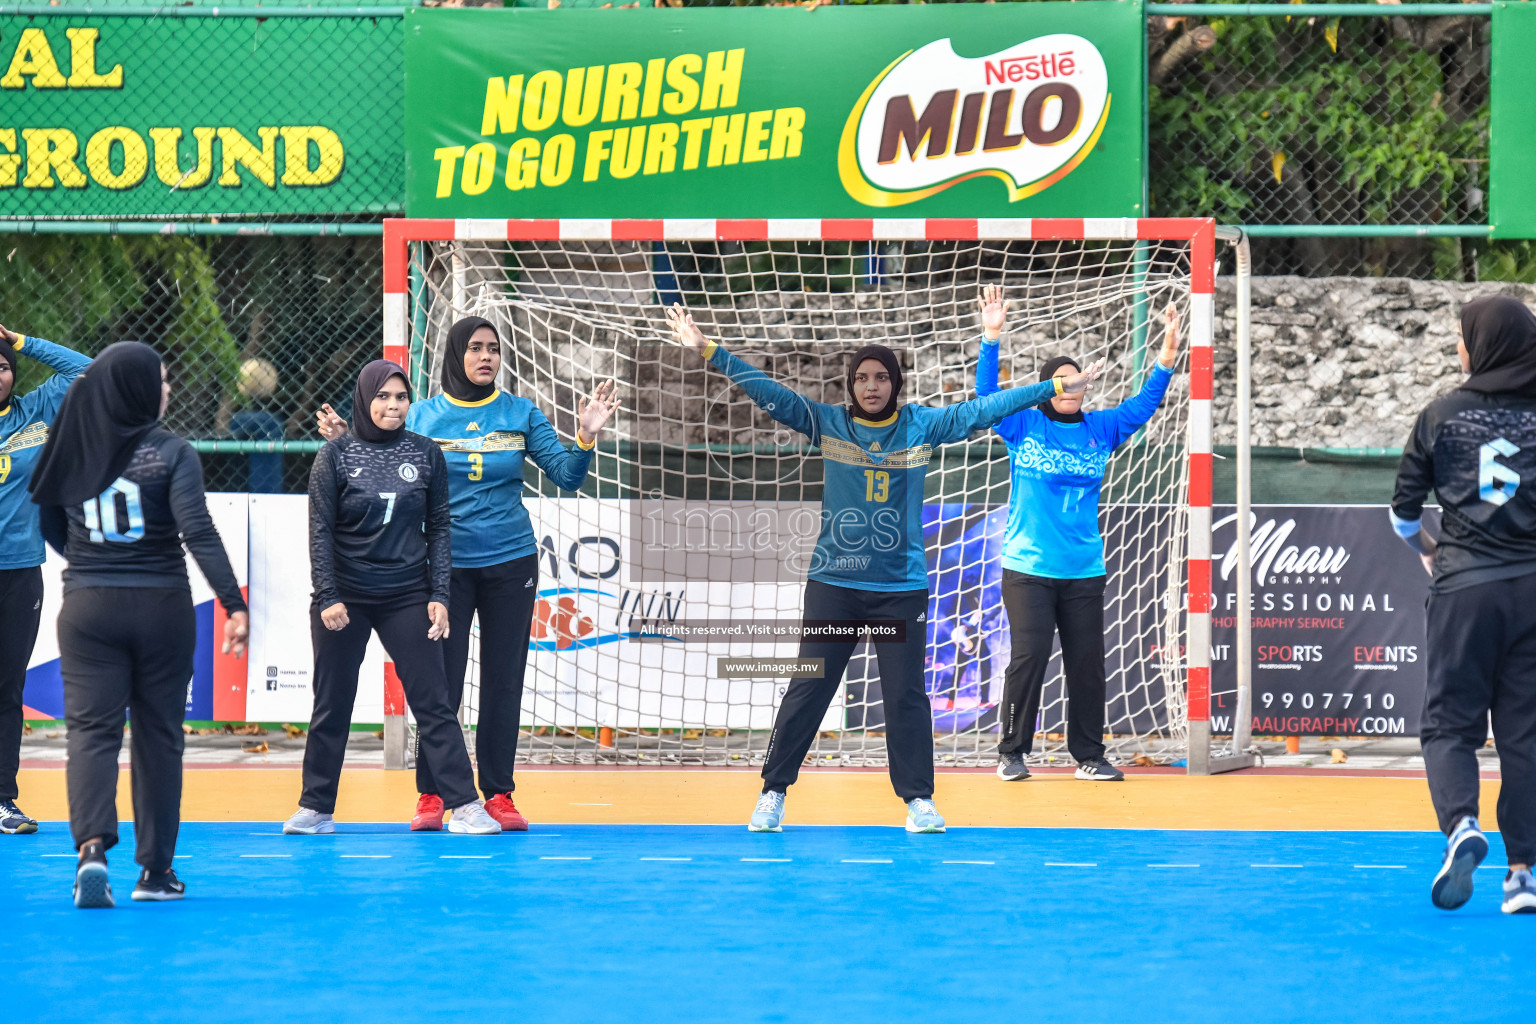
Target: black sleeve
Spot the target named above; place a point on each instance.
(55, 527)
(1416, 471)
(322, 527)
(439, 546)
(189, 505)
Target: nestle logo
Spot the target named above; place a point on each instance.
(1031, 68)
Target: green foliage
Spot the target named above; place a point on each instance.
(1271, 125)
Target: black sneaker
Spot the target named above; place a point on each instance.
(93, 889)
(1011, 767)
(13, 822)
(159, 888)
(1096, 769)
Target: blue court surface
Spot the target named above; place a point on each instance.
(700, 923)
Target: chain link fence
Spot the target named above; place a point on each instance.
(199, 206)
(1312, 120)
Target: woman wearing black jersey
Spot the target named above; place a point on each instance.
(380, 560)
(119, 496)
(1476, 448)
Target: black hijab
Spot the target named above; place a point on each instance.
(1046, 373)
(1500, 335)
(892, 366)
(369, 382)
(8, 356)
(456, 383)
(105, 414)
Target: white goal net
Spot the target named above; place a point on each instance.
(689, 443)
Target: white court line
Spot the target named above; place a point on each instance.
(565, 858)
(1173, 865)
(57, 855)
(667, 858)
(1492, 867)
(1067, 864)
(1365, 866)
(855, 860)
(744, 860)
(266, 855)
(987, 862)
(1276, 865)
(464, 856)
(366, 856)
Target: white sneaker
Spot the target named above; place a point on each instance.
(306, 822)
(768, 815)
(923, 816)
(1520, 893)
(472, 819)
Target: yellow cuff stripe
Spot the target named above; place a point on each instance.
(21, 339)
(1060, 384)
(583, 443)
(709, 351)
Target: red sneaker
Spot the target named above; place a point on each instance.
(429, 814)
(506, 813)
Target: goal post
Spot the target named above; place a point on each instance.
(577, 301)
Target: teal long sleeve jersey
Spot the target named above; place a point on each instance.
(871, 534)
(1056, 471)
(485, 444)
(23, 432)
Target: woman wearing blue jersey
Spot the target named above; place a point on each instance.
(24, 424)
(1053, 555)
(869, 566)
(484, 434)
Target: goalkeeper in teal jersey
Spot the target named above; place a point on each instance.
(1053, 554)
(485, 435)
(24, 423)
(869, 565)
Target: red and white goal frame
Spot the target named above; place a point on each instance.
(1201, 234)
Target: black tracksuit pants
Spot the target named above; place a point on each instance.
(1037, 607)
(1482, 659)
(402, 625)
(21, 610)
(123, 647)
(908, 717)
(504, 595)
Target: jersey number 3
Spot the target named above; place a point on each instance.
(1496, 482)
(476, 465)
(101, 514)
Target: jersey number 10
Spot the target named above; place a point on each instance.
(101, 514)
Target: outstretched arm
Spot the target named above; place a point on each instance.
(959, 421)
(994, 314)
(1131, 414)
(787, 406)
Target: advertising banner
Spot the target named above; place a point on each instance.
(125, 116)
(1338, 621)
(217, 687)
(1007, 110)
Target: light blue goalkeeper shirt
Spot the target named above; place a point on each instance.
(1056, 472)
(872, 497)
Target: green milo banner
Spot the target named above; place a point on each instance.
(963, 110)
(174, 116)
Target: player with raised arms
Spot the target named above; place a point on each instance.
(485, 434)
(380, 557)
(23, 430)
(1476, 449)
(1053, 553)
(120, 495)
(869, 564)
